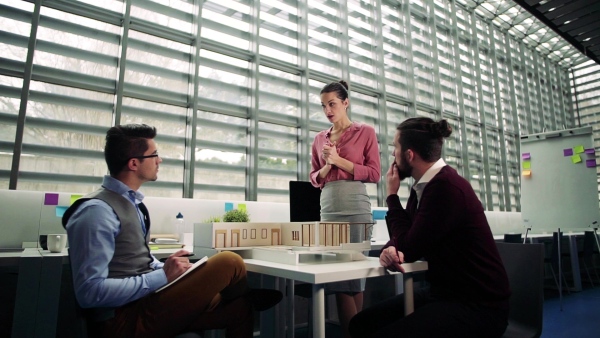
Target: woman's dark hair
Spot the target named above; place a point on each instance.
(340, 88)
(125, 142)
(424, 136)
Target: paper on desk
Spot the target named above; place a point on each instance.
(194, 266)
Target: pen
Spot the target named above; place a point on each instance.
(188, 255)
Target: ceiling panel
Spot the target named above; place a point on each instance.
(577, 21)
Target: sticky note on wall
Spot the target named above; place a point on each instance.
(575, 159)
(590, 163)
(526, 164)
(379, 214)
(526, 156)
(578, 149)
(75, 198)
(60, 211)
(568, 152)
(526, 172)
(50, 199)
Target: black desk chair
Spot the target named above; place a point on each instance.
(513, 238)
(586, 254)
(524, 264)
(552, 258)
(79, 326)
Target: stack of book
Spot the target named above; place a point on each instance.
(164, 241)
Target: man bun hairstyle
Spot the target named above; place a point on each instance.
(124, 142)
(340, 88)
(424, 136)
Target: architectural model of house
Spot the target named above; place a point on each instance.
(291, 242)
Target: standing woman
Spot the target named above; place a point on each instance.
(344, 157)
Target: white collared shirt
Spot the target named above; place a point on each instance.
(429, 174)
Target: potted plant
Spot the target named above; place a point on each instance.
(236, 215)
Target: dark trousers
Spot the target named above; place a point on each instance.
(431, 318)
(210, 297)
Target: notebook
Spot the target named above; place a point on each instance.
(193, 267)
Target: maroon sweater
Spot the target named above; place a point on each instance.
(451, 232)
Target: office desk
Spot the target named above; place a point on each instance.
(25, 313)
(319, 274)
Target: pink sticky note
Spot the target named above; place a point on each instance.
(526, 156)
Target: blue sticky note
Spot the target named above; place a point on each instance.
(60, 211)
(228, 206)
(379, 214)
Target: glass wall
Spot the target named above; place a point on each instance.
(233, 89)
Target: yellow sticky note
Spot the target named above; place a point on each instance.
(75, 198)
(241, 206)
(575, 159)
(526, 164)
(526, 172)
(578, 149)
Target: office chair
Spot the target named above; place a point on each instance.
(552, 258)
(587, 254)
(513, 238)
(524, 264)
(78, 326)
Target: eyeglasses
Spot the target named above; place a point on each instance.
(145, 156)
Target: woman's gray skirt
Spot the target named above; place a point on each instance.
(347, 201)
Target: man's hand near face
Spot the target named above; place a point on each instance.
(393, 180)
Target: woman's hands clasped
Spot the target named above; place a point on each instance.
(330, 153)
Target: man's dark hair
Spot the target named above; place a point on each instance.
(424, 136)
(124, 142)
(340, 88)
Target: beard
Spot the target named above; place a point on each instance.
(404, 169)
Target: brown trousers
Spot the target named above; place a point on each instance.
(209, 297)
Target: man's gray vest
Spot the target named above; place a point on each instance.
(132, 255)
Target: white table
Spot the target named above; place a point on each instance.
(319, 274)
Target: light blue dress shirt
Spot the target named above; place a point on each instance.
(92, 230)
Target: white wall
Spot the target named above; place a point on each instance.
(24, 215)
(503, 222)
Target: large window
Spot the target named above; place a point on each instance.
(233, 89)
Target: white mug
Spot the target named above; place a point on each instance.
(57, 242)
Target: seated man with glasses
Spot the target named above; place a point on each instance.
(115, 275)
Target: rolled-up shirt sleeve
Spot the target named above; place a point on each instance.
(92, 230)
